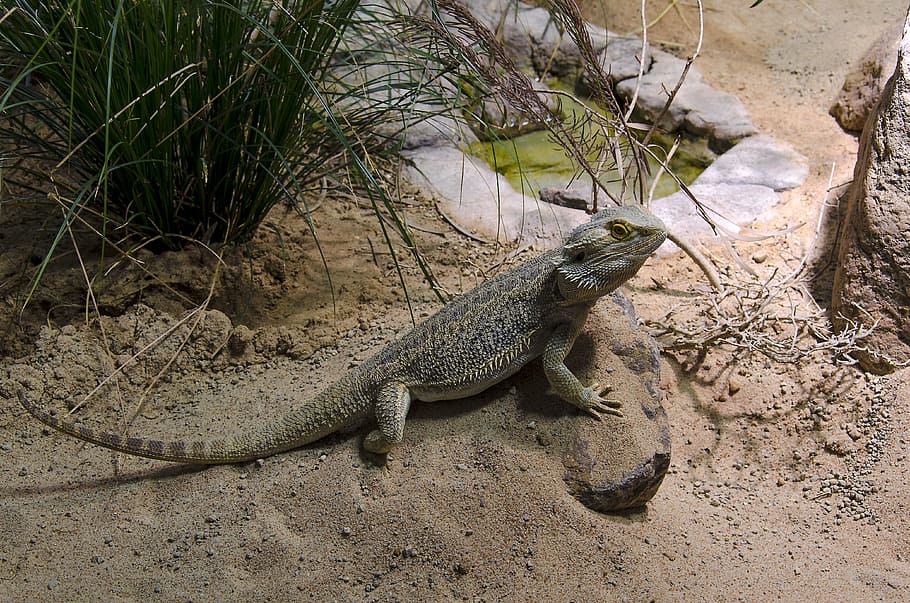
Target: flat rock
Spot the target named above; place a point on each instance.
(483, 202)
(418, 131)
(730, 206)
(697, 108)
(715, 114)
(422, 125)
(532, 39)
(566, 197)
(761, 160)
(737, 188)
(620, 60)
(654, 86)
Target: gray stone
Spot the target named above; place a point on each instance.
(527, 32)
(433, 130)
(872, 278)
(498, 119)
(599, 37)
(738, 188)
(521, 30)
(864, 83)
(654, 86)
(552, 53)
(565, 197)
(421, 125)
(759, 159)
(697, 108)
(621, 59)
(730, 206)
(484, 203)
(532, 39)
(715, 114)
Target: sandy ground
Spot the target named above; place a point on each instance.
(788, 481)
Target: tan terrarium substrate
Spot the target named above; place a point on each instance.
(786, 480)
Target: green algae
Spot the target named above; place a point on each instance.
(531, 162)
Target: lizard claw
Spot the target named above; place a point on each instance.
(596, 405)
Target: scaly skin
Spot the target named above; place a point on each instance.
(475, 341)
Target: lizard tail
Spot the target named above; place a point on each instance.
(299, 427)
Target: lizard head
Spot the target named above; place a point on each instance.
(601, 255)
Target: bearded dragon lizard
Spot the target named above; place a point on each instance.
(473, 342)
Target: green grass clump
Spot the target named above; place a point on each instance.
(183, 120)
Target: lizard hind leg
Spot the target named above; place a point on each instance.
(391, 409)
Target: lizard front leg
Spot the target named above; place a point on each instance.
(564, 383)
(391, 409)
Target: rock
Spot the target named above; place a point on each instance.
(730, 206)
(483, 202)
(698, 108)
(736, 189)
(863, 85)
(620, 60)
(511, 28)
(654, 85)
(532, 39)
(761, 160)
(524, 30)
(854, 432)
(739, 187)
(717, 115)
(422, 125)
(552, 53)
(499, 119)
(872, 278)
(432, 131)
(618, 464)
(565, 197)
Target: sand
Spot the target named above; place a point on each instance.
(788, 481)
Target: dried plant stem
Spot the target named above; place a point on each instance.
(682, 76)
(698, 257)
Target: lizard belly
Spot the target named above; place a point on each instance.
(470, 385)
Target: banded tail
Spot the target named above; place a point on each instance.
(285, 434)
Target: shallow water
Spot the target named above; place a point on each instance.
(533, 161)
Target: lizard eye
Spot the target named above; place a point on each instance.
(620, 231)
(580, 256)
